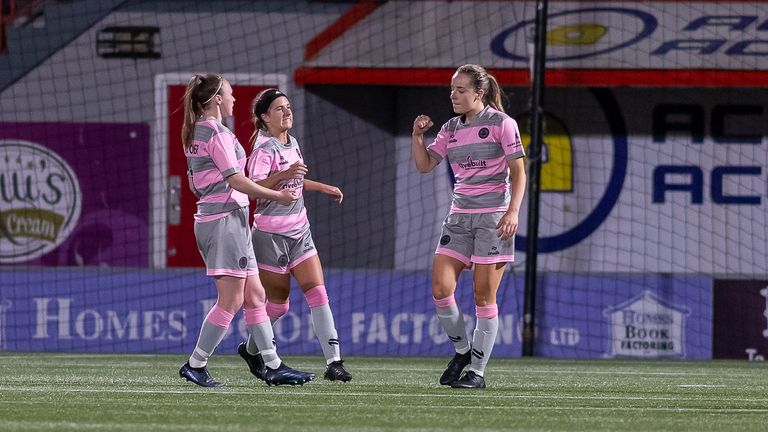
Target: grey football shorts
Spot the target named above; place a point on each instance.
(225, 245)
(472, 238)
(278, 253)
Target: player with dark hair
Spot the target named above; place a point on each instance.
(216, 161)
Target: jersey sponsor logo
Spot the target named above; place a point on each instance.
(40, 200)
(293, 183)
(472, 164)
(444, 240)
(483, 133)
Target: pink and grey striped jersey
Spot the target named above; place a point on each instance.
(478, 153)
(268, 157)
(214, 155)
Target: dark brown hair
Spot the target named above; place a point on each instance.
(199, 93)
(260, 106)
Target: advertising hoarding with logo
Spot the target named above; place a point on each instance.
(657, 43)
(376, 313)
(74, 194)
(652, 180)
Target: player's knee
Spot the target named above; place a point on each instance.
(276, 310)
(441, 291)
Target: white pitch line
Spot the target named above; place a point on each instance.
(701, 385)
(451, 394)
(538, 408)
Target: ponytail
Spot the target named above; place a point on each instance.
(200, 91)
(493, 94)
(482, 80)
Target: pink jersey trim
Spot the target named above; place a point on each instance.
(487, 311)
(211, 218)
(485, 210)
(493, 260)
(255, 315)
(226, 272)
(219, 317)
(316, 296)
(303, 258)
(269, 268)
(446, 302)
(453, 254)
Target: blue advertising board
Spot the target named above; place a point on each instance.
(377, 313)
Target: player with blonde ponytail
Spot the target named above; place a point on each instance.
(483, 147)
(216, 161)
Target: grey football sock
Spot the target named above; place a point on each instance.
(210, 337)
(322, 322)
(482, 343)
(452, 321)
(262, 337)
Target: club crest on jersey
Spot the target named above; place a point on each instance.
(483, 133)
(472, 164)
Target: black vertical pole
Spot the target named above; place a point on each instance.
(534, 176)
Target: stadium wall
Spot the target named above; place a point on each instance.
(654, 200)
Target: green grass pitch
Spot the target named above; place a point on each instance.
(84, 392)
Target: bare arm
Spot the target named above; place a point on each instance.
(507, 226)
(424, 161)
(333, 191)
(243, 184)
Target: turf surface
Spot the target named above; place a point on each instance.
(80, 392)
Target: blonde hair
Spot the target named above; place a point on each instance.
(200, 92)
(482, 80)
